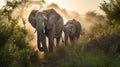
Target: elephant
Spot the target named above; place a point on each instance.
(48, 23)
(72, 30)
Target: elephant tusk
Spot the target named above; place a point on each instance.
(43, 30)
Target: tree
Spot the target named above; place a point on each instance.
(13, 47)
(112, 10)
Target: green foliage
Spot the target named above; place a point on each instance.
(107, 40)
(14, 50)
(87, 60)
(59, 55)
(18, 37)
(111, 9)
(75, 58)
(13, 47)
(14, 56)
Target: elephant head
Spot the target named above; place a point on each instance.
(72, 30)
(38, 20)
(32, 18)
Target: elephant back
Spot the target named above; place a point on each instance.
(56, 20)
(76, 26)
(52, 15)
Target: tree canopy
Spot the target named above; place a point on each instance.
(111, 9)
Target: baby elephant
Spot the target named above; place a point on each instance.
(72, 30)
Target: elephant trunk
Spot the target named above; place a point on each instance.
(41, 41)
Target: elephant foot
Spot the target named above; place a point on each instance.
(41, 49)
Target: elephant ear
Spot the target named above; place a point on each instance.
(32, 18)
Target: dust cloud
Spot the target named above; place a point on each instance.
(90, 19)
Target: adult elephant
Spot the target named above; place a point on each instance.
(47, 23)
(72, 30)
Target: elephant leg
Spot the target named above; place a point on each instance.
(58, 40)
(72, 39)
(66, 40)
(44, 43)
(51, 43)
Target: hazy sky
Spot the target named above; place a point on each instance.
(80, 6)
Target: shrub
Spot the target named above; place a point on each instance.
(105, 40)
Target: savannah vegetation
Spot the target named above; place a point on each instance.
(100, 50)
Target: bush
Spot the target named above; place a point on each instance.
(13, 56)
(15, 51)
(107, 40)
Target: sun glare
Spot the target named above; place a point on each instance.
(2, 3)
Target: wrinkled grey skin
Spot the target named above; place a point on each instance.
(72, 30)
(47, 23)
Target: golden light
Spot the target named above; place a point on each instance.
(2, 3)
(81, 6)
